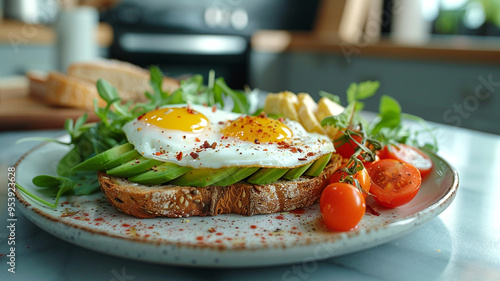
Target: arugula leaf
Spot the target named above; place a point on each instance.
(361, 91)
(341, 120)
(389, 115)
(156, 79)
(241, 103)
(71, 159)
(53, 186)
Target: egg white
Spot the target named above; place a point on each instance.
(166, 145)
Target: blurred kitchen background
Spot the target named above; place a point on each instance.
(439, 58)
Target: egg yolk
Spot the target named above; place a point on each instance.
(258, 129)
(176, 118)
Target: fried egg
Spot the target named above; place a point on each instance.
(206, 137)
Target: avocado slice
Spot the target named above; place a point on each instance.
(133, 167)
(240, 174)
(267, 175)
(318, 165)
(97, 162)
(203, 177)
(123, 158)
(161, 174)
(295, 173)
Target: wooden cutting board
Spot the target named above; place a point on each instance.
(20, 112)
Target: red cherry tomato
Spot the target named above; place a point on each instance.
(393, 183)
(345, 147)
(342, 206)
(409, 155)
(362, 176)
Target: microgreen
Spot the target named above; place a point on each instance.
(89, 139)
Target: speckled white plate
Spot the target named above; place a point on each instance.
(224, 240)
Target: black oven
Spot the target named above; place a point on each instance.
(185, 37)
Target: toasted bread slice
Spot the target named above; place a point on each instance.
(37, 85)
(242, 198)
(64, 90)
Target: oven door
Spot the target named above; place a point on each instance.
(179, 54)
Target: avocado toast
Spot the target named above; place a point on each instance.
(234, 164)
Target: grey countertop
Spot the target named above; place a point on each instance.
(459, 244)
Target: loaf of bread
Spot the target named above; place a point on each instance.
(242, 198)
(130, 80)
(77, 88)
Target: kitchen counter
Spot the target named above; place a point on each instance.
(12, 31)
(454, 49)
(459, 244)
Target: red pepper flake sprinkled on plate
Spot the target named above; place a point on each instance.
(194, 155)
(298, 211)
(68, 213)
(179, 156)
(211, 230)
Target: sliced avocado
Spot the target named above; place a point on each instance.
(318, 165)
(123, 158)
(240, 174)
(161, 174)
(295, 173)
(133, 167)
(203, 177)
(267, 175)
(97, 162)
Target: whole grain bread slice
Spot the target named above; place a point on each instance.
(242, 198)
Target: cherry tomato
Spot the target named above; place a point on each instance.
(346, 147)
(393, 183)
(342, 206)
(409, 155)
(362, 176)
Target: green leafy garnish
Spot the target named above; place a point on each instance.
(89, 139)
(387, 127)
(385, 130)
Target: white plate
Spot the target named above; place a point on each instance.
(224, 240)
